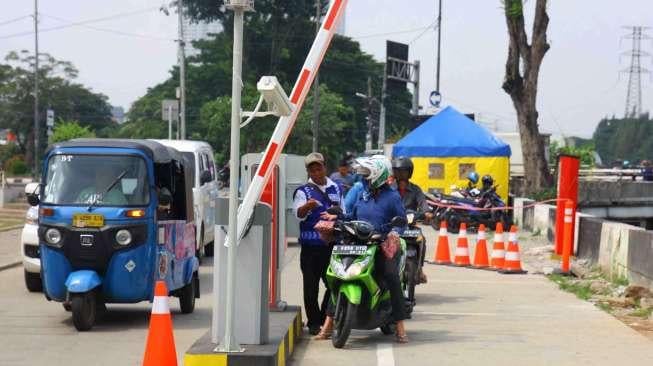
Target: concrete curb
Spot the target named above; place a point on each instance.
(9, 228)
(10, 265)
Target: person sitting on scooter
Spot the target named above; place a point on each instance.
(472, 179)
(487, 183)
(412, 197)
(378, 205)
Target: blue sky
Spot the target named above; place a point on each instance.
(580, 81)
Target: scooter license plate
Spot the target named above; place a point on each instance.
(410, 233)
(88, 220)
(349, 249)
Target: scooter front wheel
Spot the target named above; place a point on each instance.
(344, 320)
(84, 310)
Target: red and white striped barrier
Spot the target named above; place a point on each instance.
(285, 124)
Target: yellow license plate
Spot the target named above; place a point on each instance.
(88, 220)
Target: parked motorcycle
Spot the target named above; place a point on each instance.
(455, 210)
(361, 301)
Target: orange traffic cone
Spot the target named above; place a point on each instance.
(462, 248)
(480, 254)
(160, 347)
(442, 255)
(512, 263)
(498, 249)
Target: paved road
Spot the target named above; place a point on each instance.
(463, 317)
(9, 248)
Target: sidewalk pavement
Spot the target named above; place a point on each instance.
(471, 317)
(10, 249)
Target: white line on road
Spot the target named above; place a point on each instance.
(384, 354)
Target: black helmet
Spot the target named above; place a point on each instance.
(404, 165)
(488, 181)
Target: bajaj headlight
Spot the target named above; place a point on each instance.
(123, 237)
(53, 237)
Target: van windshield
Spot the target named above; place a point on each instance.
(84, 179)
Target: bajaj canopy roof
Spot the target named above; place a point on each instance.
(450, 133)
(159, 153)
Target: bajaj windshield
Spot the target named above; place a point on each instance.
(99, 180)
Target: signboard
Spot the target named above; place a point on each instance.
(398, 70)
(50, 118)
(170, 110)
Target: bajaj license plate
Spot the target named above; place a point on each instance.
(349, 249)
(88, 220)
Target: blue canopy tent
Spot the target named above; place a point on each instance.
(449, 145)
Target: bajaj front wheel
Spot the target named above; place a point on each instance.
(344, 320)
(84, 310)
(187, 297)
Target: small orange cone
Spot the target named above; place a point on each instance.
(512, 263)
(160, 347)
(442, 255)
(462, 248)
(480, 254)
(498, 249)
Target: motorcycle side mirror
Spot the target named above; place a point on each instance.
(32, 193)
(334, 210)
(398, 221)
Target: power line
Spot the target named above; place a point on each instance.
(84, 22)
(14, 20)
(111, 31)
(432, 26)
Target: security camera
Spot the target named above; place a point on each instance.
(274, 95)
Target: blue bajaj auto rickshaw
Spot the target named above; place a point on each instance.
(114, 217)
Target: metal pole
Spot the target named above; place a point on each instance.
(437, 82)
(316, 84)
(368, 135)
(416, 91)
(36, 88)
(229, 343)
(382, 116)
(182, 71)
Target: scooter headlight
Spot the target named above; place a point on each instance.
(354, 269)
(123, 237)
(53, 237)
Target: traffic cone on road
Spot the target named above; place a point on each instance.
(498, 249)
(512, 263)
(160, 347)
(442, 255)
(462, 248)
(480, 254)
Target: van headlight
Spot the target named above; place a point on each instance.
(123, 237)
(53, 237)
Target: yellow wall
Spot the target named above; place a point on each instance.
(497, 167)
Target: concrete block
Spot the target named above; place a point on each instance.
(589, 238)
(518, 212)
(613, 255)
(640, 258)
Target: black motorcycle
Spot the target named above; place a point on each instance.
(455, 210)
(414, 239)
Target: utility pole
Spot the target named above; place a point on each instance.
(182, 71)
(316, 83)
(368, 135)
(437, 77)
(382, 112)
(634, 94)
(36, 88)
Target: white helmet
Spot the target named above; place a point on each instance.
(375, 170)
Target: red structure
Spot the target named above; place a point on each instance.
(270, 196)
(568, 166)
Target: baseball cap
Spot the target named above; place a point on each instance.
(314, 157)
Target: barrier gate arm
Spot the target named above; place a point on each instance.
(286, 124)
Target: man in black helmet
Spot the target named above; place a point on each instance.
(411, 195)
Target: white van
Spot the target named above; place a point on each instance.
(205, 190)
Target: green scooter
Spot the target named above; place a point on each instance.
(360, 301)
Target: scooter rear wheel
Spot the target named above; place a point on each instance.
(344, 320)
(84, 310)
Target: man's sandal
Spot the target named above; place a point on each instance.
(323, 335)
(401, 338)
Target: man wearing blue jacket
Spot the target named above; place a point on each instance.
(309, 202)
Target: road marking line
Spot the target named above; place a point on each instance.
(480, 314)
(384, 355)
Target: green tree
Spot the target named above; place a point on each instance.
(69, 100)
(584, 152)
(65, 131)
(629, 138)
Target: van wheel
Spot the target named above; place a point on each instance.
(84, 310)
(33, 282)
(187, 296)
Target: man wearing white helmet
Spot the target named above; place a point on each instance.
(378, 204)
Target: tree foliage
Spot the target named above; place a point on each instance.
(57, 91)
(276, 41)
(584, 152)
(625, 138)
(68, 130)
